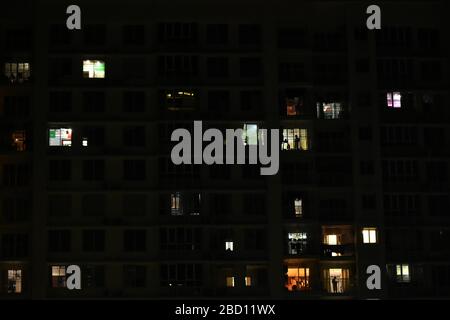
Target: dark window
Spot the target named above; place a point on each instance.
(134, 205)
(177, 33)
(250, 67)
(60, 205)
(60, 101)
(93, 170)
(59, 35)
(134, 240)
(134, 136)
(94, 35)
(255, 239)
(16, 106)
(15, 209)
(94, 101)
(94, 276)
(254, 204)
(135, 276)
(134, 35)
(362, 66)
(60, 170)
(217, 34)
(93, 240)
(59, 241)
(14, 245)
(251, 100)
(217, 67)
(93, 205)
(134, 169)
(249, 34)
(218, 100)
(134, 101)
(220, 204)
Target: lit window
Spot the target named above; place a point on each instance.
(15, 281)
(297, 279)
(297, 242)
(336, 280)
(229, 245)
(17, 72)
(293, 106)
(250, 134)
(248, 281)
(60, 137)
(369, 235)
(394, 99)
(85, 142)
(18, 140)
(295, 139)
(298, 207)
(331, 110)
(93, 69)
(331, 239)
(402, 273)
(58, 276)
(180, 100)
(176, 204)
(230, 282)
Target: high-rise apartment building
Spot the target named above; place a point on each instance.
(87, 179)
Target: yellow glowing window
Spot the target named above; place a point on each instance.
(369, 235)
(297, 279)
(230, 282)
(18, 140)
(176, 204)
(15, 281)
(295, 139)
(58, 276)
(248, 281)
(17, 71)
(93, 69)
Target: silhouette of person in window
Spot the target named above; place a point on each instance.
(334, 283)
(296, 142)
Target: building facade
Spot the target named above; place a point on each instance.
(86, 120)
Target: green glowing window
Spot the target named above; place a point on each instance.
(93, 69)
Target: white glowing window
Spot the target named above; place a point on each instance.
(402, 273)
(250, 134)
(229, 245)
(394, 99)
(15, 281)
(60, 137)
(230, 282)
(331, 239)
(93, 69)
(369, 235)
(298, 207)
(85, 142)
(297, 236)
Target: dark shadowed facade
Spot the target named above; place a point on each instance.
(85, 170)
